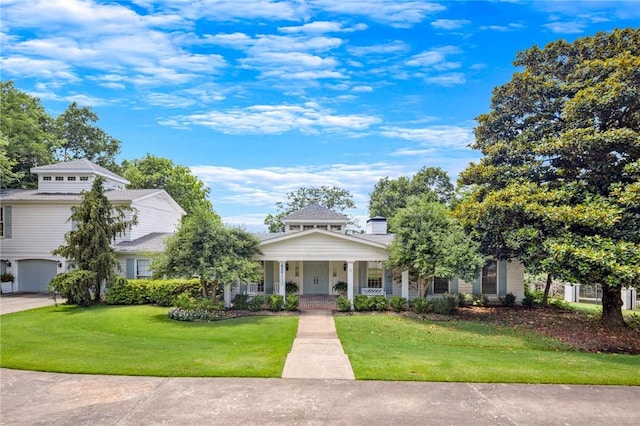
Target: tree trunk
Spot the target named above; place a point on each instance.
(203, 285)
(612, 307)
(547, 287)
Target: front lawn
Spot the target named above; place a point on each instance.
(387, 347)
(141, 340)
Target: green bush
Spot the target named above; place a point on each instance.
(74, 286)
(275, 302)
(444, 305)
(398, 303)
(528, 301)
(508, 300)
(464, 299)
(343, 304)
(340, 287)
(184, 301)
(142, 292)
(291, 287)
(379, 303)
(421, 306)
(291, 302)
(256, 303)
(240, 302)
(480, 300)
(362, 303)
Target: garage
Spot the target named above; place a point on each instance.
(34, 275)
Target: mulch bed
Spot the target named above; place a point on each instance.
(579, 330)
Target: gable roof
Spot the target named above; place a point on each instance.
(381, 241)
(122, 195)
(81, 165)
(150, 243)
(315, 212)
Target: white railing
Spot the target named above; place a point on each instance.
(372, 291)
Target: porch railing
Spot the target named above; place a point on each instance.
(372, 291)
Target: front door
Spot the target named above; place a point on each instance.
(316, 278)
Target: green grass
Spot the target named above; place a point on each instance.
(596, 309)
(383, 347)
(141, 340)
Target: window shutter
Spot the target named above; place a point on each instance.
(7, 221)
(502, 277)
(131, 268)
(453, 286)
(388, 281)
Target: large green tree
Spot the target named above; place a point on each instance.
(430, 243)
(97, 223)
(333, 198)
(79, 137)
(161, 173)
(558, 183)
(205, 247)
(26, 134)
(391, 195)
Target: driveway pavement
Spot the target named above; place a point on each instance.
(14, 302)
(37, 398)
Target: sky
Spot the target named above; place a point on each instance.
(259, 98)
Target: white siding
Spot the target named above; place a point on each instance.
(155, 214)
(515, 279)
(37, 229)
(65, 186)
(318, 247)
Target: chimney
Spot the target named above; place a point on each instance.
(377, 225)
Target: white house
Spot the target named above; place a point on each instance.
(33, 222)
(316, 252)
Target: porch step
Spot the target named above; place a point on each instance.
(317, 302)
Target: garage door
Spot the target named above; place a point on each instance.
(34, 275)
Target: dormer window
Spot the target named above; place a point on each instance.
(294, 227)
(321, 226)
(47, 178)
(336, 227)
(59, 178)
(84, 178)
(71, 178)
(307, 227)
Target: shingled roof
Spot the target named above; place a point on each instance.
(79, 166)
(315, 212)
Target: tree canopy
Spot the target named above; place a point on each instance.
(430, 243)
(333, 198)
(97, 223)
(559, 181)
(161, 173)
(206, 248)
(391, 195)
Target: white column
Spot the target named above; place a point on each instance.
(405, 284)
(282, 288)
(350, 282)
(227, 295)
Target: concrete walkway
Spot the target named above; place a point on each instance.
(15, 302)
(317, 352)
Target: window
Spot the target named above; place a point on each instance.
(142, 268)
(307, 227)
(440, 285)
(294, 227)
(374, 275)
(336, 227)
(84, 178)
(490, 277)
(261, 281)
(321, 226)
(47, 178)
(71, 178)
(1, 222)
(59, 178)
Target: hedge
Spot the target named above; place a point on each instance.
(143, 292)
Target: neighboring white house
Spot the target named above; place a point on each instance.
(33, 222)
(316, 252)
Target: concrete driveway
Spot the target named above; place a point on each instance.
(14, 302)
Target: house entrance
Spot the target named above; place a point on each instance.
(316, 278)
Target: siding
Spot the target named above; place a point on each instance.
(515, 279)
(155, 214)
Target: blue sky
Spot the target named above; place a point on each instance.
(262, 97)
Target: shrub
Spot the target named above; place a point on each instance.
(480, 300)
(445, 305)
(340, 287)
(421, 306)
(180, 314)
(184, 301)
(7, 277)
(256, 303)
(528, 301)
(141, 292)
(379, 303)
(362, 303)
(343, 304)
(275, 302)
(508, 300)
(240, 302)
(74, 286)
(398, 303)
(291, 302)
(291, 287)
(464, 299)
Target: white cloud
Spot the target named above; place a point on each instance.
(568, 27)
(396, 46)
(449, 79)
(449, 24)
(362, 89)
(507, 27)
(433, 136)
(274, 119)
